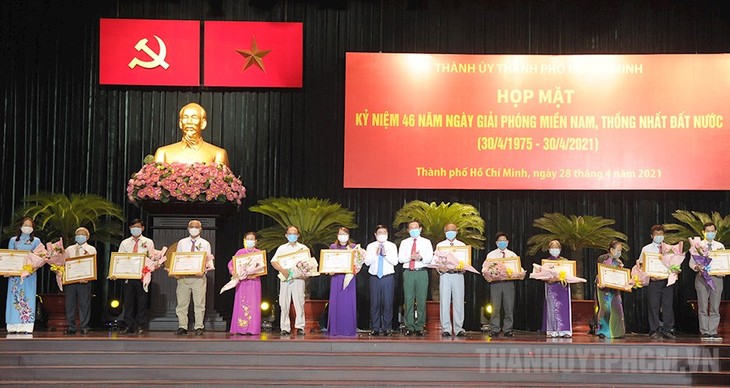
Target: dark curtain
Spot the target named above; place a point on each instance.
(64, 133)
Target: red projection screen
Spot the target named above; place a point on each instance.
(584, 122)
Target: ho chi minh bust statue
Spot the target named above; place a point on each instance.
(192, 148)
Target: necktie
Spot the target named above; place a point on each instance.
(412, 264)
(380, 260)
(452, 243)
(502, 253)
(136, 246)
(193, 248)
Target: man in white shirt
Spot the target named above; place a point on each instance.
(415, 253)
(451, 289)
(290, 290)
(502, 292)
(78, 293)
(708, 322)
(661, 296)
(135, 298)
(195, 284)
(381, 258)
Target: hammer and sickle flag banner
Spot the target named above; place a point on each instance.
(149, 52)
(253, 54)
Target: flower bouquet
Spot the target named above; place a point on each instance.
(444, 262)
(359, 260)
(639, 277)
(496, 271)
(700, 252)
(672, 258)
(301, 270)
(152, 261)
(35, 259)
(250, 269)
(549, 274)
(57, 259)
(198, 182)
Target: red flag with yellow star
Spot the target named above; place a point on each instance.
(253, 54)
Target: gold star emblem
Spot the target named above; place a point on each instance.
(253, 56)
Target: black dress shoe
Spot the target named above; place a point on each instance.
(374, 333)
(386, 333)
(655, 335)
(668, 335)
(300, 332)
(69, 332)
(509, 334)
(446, 334)
(181, 331)
(494, 334)
(601, 336)
(420, 333)
(285, 332)
(85, 330)
(461, 334)
(198, 331)
(408, 333)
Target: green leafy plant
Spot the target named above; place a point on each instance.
(317, 220)
(57, 215)
(575, 233)
(692, 225)
(434, 217)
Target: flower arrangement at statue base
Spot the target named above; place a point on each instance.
(498, 272)
(197, 182)
(445, 262)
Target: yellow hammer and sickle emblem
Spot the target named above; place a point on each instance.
(157, 59)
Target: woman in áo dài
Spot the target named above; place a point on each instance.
(246, 318)
(20, 303)
(610, 309)
(557, 313)
(342, 319)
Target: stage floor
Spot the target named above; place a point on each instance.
(520, 337)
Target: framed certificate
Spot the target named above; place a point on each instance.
(462, 252)
(561, 265)
(614, 277)
(12, 262)
(79, 269)
(291, 259)
(126, 265)
(652, 264)
(187, 263)
(720, 264)
(336, 261)
(246, 262)
(512, 263)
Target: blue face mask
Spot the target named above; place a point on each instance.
(136, 232)
(554, 252)
(292, 238)
(250, 243)
(658, 239)
(710, 235)
(451, 234)
(502, 245)
(80, 239)
(414, 232)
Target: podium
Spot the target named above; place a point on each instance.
(168, 223)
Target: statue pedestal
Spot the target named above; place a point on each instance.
(168, 224)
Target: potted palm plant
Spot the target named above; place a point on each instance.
(433, 217)
(317, 220)
(57, 216)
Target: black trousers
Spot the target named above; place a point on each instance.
(661, 298)
(135, 304)
(78, 294)
(381, 302)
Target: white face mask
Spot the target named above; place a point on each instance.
(381, 237)
(343, 238)
(554, 252)
(194, 232)
(26, 229)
